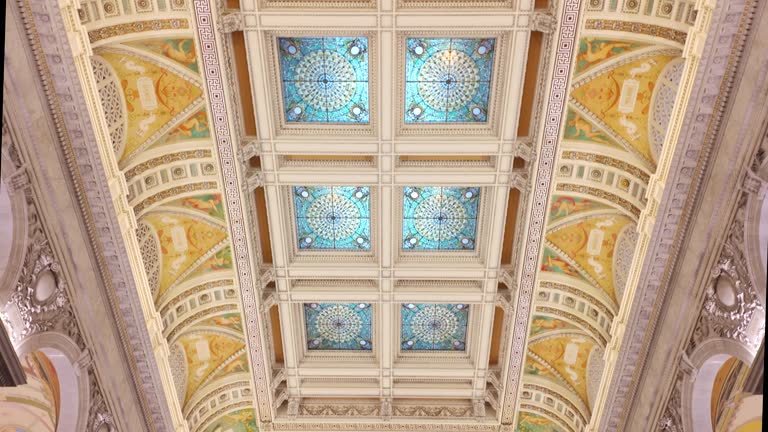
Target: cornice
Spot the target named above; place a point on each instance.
(56, 317)
(56, 66)
(719, 57)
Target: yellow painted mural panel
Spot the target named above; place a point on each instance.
(536, 368)
(208, 204)
(205, 352)
(194, 127)
(183, 240)
(238, 421)
(752, 426)
(590, 243)
(564, 206)
(181, 51)
(237, 364)
(579, 128)
(231, 321)
(529, 422)
(153, 96)
(542, 324)
(593, 51)
(568, 355)
(221, 260)
(621, 99)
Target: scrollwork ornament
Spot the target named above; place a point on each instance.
(730, 278)
(432, 411)
(42, 307)
(334, 410)
(478, 408)
(231, 22)
(98, 414)
(672, 420)
(543, 22)
(386, 409)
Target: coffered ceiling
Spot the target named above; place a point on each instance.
(387, 215)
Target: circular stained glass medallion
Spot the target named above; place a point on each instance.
(434, 324)
(448, 80)
(326, 80)
(333, 216)
(440, 217)
(339, 324)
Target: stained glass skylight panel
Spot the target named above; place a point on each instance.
(338, 326)
(333, 217)
(325, 79)
(448, 80)
(434, 327)
(440, 218)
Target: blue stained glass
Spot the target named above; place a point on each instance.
(440, 218)
(434, 327)
(338, 326)
(333, 217)
(448, 80)
(325, 79)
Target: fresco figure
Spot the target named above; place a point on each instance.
(579, 128)
(555, 264)
(210, 204)
(593, 51)
(565, 205)
(195, 126)
(180, 50)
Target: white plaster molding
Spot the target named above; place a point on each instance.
(213, 75)
(58, 71)
(668, 200)
(555, 108)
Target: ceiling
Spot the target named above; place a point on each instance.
(385, 235)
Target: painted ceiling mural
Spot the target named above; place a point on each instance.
(621, 91)
(153, 100)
